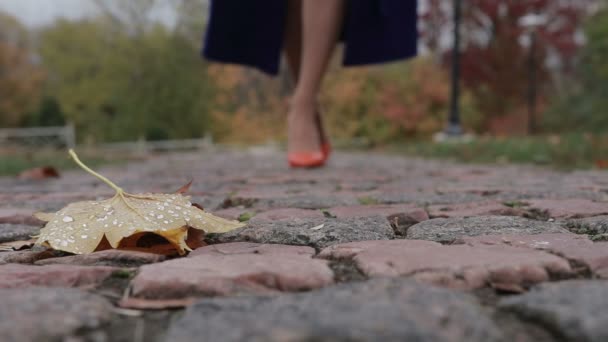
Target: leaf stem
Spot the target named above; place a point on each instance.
(87, 169)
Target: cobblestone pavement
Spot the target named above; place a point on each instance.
(371, 248)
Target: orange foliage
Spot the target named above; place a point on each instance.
(20, 83)
(381, 104)
(20, 78)
(387, 103)
(248, 107)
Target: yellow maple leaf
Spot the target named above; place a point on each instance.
(80, 227)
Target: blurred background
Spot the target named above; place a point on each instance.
(122, 73)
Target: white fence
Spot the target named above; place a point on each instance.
(65, 137)
(58, 136)
(144, 146)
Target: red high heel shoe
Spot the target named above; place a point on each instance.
(326, 149)
(306, 159)
(325, 144)
(310, 159)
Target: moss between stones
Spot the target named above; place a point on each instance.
(346, 270)
(366, 200)
(244, 217)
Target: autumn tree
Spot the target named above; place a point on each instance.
(192, 20)
(21, 79)
(123, 75)
(495, 48)
(585, 106)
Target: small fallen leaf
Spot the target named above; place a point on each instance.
(39, 173)
(184, 188)
(16, 245)
(127, 221)
(155, 304)
(46, 217)
(318, 227)
(601, 164)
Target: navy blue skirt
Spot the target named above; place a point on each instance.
(251, 32)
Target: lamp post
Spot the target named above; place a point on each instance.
(454, 128)
(531, 22)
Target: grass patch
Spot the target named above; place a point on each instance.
(244, 217)
(515, 204)
(14, 161)
(599, 238)
(123, 274)
(572, 151)
(366, 200)
(327, 214)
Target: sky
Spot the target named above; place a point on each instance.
(36, 13)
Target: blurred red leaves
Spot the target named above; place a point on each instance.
(495, 52)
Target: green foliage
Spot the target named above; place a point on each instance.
(123, 83)
(585, 109)
(597, 50)
(13, 32)
(48, 114)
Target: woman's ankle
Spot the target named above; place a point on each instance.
(304, 101)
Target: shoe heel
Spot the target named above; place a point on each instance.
(306, 159)
(326, 149)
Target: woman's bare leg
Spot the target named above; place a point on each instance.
(293, 52)
(321, 24)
